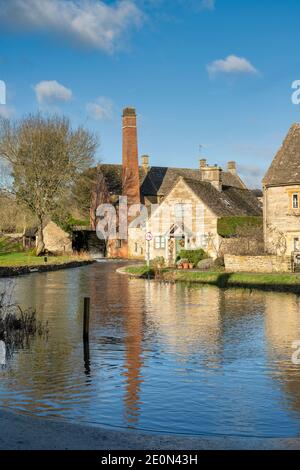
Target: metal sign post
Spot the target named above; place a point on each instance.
(149, 237)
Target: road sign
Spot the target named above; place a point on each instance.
(149, 236)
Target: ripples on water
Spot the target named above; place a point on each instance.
(166, 358)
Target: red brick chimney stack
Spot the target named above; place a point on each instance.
(130, 176)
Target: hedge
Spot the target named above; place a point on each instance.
(227, 226)
(193, 256)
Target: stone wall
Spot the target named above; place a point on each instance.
(241, 246)
(258, 264)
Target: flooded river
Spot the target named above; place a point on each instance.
(163, 358)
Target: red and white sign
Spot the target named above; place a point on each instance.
(149, 236)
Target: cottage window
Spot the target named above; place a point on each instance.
(179, 210)
(296, 244)
(295, 201)
(159, 243)
(136, 247)
(119, 244)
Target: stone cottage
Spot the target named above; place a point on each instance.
(219, 192)
(281, 188)
(187, 218)
(56, 239)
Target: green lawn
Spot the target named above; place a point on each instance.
(280, 281)
(26, 259)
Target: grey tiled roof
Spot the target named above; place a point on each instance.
(285, 168)
(159, 180)
(229, 201)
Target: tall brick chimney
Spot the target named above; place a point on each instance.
(130, 175)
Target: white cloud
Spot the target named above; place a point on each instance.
(6, 112)
(51, 92)
(101, 109)
(231, 65)
(91, 23)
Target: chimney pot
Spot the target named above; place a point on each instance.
(129, 111)
(145, 162)
(231, 167)
(202, 163)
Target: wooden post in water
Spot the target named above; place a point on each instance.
(86, 318)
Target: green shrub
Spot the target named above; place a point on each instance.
(9, 245)
(229, 226)
(193, 256)
(158, 262)
(219, 262)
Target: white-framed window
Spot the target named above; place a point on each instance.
(295, 201)
(136, 247)
(159, 243)
(118, 243)
(296, 244)
(179, 210)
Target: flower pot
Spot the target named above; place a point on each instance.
(185, 265)
(191, 266)
(180, 266)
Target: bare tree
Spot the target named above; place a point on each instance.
(276, 241)
(45, 155)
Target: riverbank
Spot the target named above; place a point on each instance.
(272, 282)
(16, 264)
(23, 432)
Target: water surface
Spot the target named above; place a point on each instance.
(164, 358)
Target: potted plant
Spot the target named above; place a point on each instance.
(191, 266)
(185, 263)
(179, 263)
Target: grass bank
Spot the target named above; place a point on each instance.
(14, 264)
(284, 282)
(27, 259)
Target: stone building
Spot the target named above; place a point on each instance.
(56, 239)
(281, 188)
(218, 192)
(187, 218)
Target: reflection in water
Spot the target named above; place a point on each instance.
(282, 325)
(162, 357)
(133, 327)
(2, 353)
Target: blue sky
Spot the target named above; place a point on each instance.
(216, 73)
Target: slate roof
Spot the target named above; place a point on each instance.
(230, 201)
(285, 168)
(159, 180)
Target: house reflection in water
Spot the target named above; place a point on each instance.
(282, 328)
(185, 319)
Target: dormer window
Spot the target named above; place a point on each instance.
(295, 201)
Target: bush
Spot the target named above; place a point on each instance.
(219, 262)
(158, 262)
(193, 256)
(10, 245)
(17, 326)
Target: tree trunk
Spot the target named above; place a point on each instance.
(40, 248)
